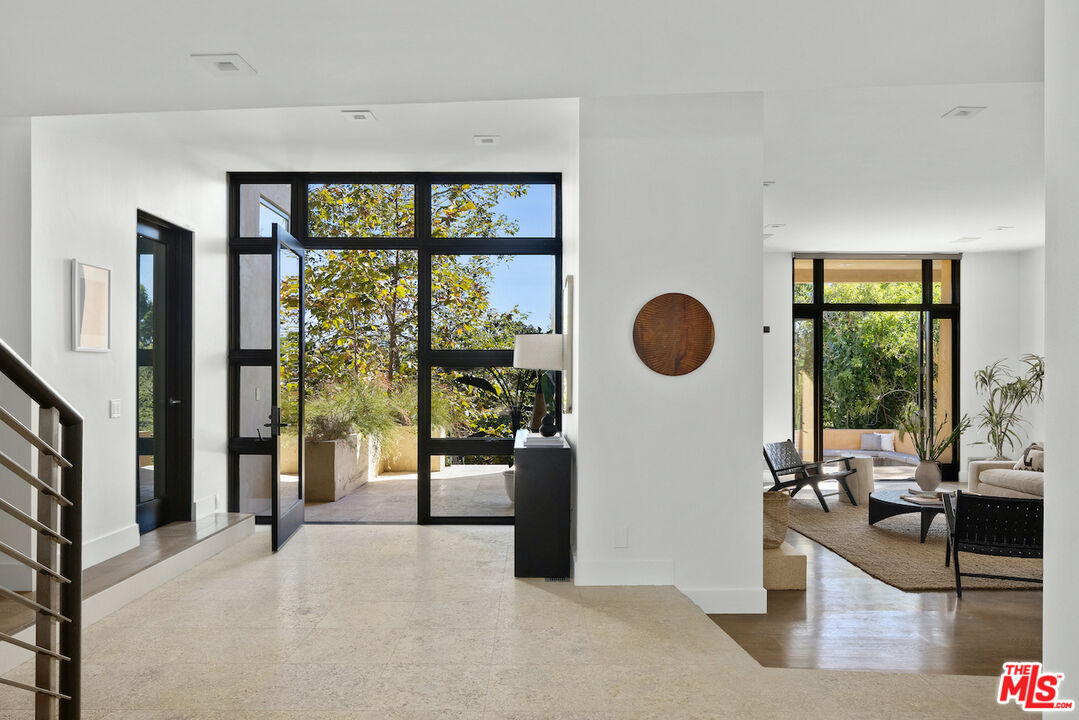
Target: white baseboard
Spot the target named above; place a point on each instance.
(15, 576)
(110, 600)
(102, 548)
(720, 601)
(623, 572)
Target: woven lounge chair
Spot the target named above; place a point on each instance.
(990, 525)
(784, 461)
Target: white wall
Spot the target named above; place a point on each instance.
(15, 330)
(1001, 315)
(92, 174)
(671, 201)
(1031, 284)
(777, 347)
(1060, 634)
(90, 177)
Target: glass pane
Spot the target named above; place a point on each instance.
(361, 318)
(872, 281)
(254, 491)
(803, 280)
(870, 373)
(150, 388)
(471, 486)
(256, 302)
(942, 381)
(479, 302)
(263, 205)
(358, 210)
(942, 282)
(493, 211)
(289, 380)
(491, 402)
(256, 399)
(804, 403)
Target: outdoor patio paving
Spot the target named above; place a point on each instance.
(457, 491)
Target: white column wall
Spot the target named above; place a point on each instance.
(15, 331)
(1060, 642)
(669, 467)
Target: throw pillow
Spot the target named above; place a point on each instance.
(1033, 458)
(887, 441)
(870, 441)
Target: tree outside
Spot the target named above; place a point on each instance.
(361, 305)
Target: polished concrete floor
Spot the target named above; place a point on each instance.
(456, 491)
(389, 621)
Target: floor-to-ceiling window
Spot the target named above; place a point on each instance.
(415, 286)
(875, 337)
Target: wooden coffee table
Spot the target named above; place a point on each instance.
(889, 503)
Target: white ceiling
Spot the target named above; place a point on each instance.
(535, 135)
(877, 169)
(132, 55)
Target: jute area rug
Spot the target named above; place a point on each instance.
(890, 551)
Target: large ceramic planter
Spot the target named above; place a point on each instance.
(927, 475)
(508, 479)
(335, 468)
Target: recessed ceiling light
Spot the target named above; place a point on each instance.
(966, 239)
(486, 139)
(963, 112)
(358, 115)
(999, 228)
(224, 64)
(769, 183)
(775, 226)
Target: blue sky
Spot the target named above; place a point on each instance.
(528, 280)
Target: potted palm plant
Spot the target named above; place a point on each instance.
(1006, 393)
(930, 443)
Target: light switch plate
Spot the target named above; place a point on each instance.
(114, 408)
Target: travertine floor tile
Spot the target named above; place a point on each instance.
(388, 622)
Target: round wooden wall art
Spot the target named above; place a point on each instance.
(673, 334)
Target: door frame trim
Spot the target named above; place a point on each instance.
(179, 438)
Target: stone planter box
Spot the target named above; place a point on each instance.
(335, 468)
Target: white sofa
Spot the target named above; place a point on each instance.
(1000, 478)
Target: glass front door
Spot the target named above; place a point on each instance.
(286, 416)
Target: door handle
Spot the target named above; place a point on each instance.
(173, 402)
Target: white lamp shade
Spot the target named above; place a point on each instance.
(537, 352)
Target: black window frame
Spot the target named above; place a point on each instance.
(816, 309)
(425, 246)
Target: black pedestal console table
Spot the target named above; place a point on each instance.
(541, 537)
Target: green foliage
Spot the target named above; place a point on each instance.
(871, 360)
(361, 305)
(358, 406)
(930, 442)
(1006, 393)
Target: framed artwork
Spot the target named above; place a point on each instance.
(567, 346)
(91, 311)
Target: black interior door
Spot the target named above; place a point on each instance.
(286, 415)
(163, 375)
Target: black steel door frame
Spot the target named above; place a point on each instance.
(927, 310)
(286, 521)
(426, 247)
(172, 407)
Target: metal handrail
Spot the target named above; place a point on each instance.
(58, 527)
